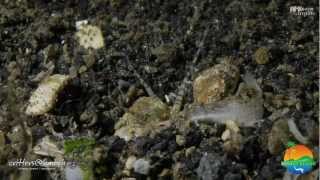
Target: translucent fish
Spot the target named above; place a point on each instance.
(245, 108)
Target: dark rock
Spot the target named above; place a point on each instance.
(209, 166)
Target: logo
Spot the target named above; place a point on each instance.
(298, 159)
(302, 11)
(36, 164)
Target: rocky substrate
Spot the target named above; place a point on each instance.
(144, 89)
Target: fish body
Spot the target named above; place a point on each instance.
(245, 108)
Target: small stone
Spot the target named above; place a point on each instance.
(44, 74)
(45, 96)
(125, 133)
(150, 109)
(50, 52)
(142, 166)
(82, 69)
(90, 36)
(261, 56)
(47, 147)
(88, 116)
(2, 140)
(180, 140)
(278, 137)
(98, 154)
(165, 174)
(208, 129)
(73, 72)
(81, 23)
(89, 59)
(165, 52)
(226, 135)
(14, 70)
(73, 173)
(233, 139)
(190, 151)
(2, 146)
(16, 137)
(143, 117)
(232, 176)
(215, 83)
(130, 162)
(209, 166)
(177, 171)
(232, 126)
(150, 69)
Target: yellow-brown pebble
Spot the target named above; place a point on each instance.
(261, 56)
(142, 118)
(215, 83)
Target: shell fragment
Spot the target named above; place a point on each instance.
(44, 97)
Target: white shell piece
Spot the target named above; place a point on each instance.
(44, 97)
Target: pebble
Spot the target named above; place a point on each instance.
(80, 23)
(190, 151)
(2, 139)
(142, 118)
(98, 154)
(233, 141)
(73, 173)
(130, 162)
(209, 166)
(89, 59)
(226, 135)
(47, 147)
(45, 96)
(2, 146)
(165, 52)
(50, 52)
(214, 83)
(90, 36)
(142, 166)
(180, 140)
(165, 174)
(232, 126)
(261, 56)
(278, 136)
(126, 133)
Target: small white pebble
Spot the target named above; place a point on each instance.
(80, 23)
(129, 163)
(141, 166)
(226, 135)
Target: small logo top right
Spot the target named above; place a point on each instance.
(302, 11)
(298, 159)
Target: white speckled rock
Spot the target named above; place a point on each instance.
(90, 36)
(44, 97)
